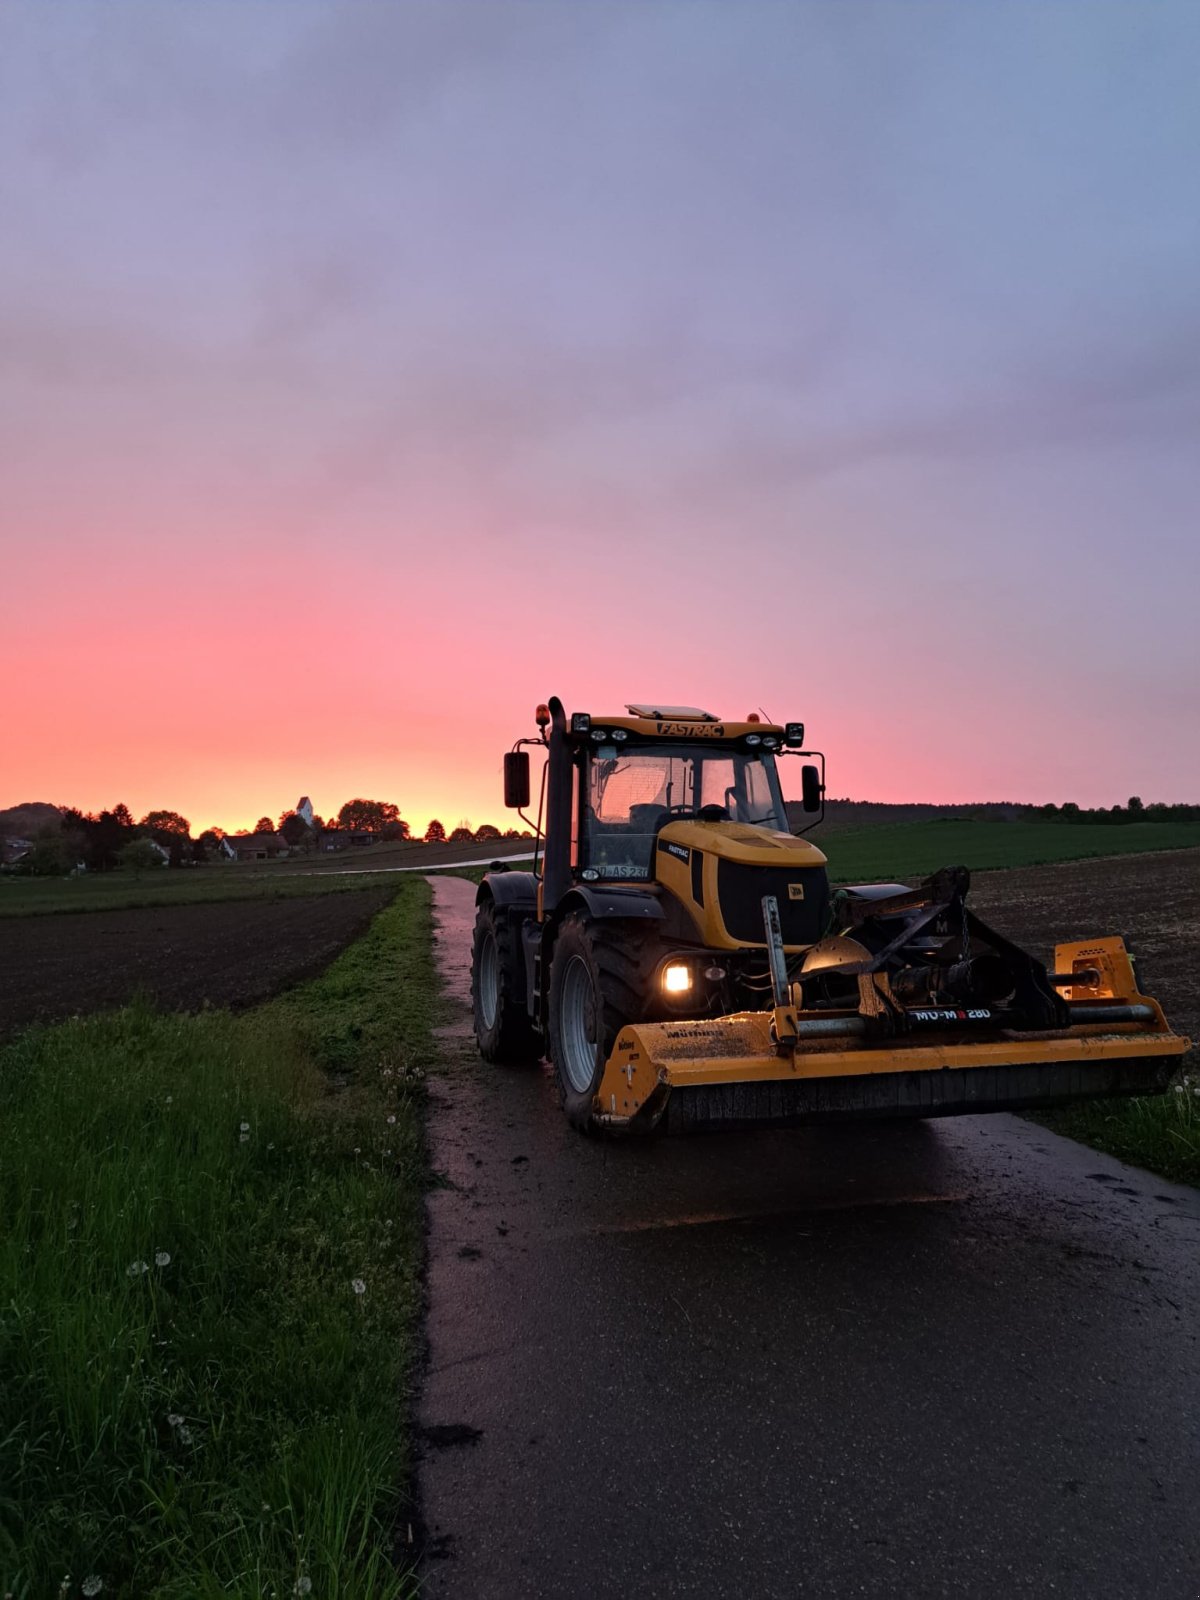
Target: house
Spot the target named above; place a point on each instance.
(258, 846)
(344, 838)
(13, 851)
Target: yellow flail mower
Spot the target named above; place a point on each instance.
(679, 955)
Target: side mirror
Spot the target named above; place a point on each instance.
(516, 779)
(810, 788)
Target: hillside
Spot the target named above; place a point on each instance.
(27, 819)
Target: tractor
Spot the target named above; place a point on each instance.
(679, 954)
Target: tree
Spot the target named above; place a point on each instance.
(1135, 805)
(486, 831)
(369, 816)
(461, 835)
(263, 825)
(511, 833)
(167, 823)
(50, 856)
(294, 829)
(121, 815)
(435, 833)
(139, 856)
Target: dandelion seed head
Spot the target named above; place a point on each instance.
(162, 1258)
(92, 1584)
(391, 1118)
(358, 1286)
(174, 1420)
(244, 1127)
(243, 1137)
(303, 1584)
(135, 1269)
(270, 1147)
(184, 1434)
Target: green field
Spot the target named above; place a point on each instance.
(210, 1244)
(914, 849)
(908, 850)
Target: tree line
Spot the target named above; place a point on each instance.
(107, 840)
(1132, 811)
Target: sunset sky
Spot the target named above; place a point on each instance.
(369, 372)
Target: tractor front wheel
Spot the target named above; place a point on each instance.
(502, 1026)
(598, 983)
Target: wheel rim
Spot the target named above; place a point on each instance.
(489, 981)
(577, 1025)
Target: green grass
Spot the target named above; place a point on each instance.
(1161, 1134)
(233, 1420)
(115, 891)
(913, 849)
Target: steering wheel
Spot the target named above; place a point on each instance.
(679, 813)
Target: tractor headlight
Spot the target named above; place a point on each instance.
(754, 738)
(620, 735)
(770, 743)
(677, 978)
(599, 735)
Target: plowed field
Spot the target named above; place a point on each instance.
(182, 957)
(1153, 901)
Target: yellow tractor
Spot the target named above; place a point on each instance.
(679, 954)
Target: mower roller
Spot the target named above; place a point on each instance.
(679, 955)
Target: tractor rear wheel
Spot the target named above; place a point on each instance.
(599, 981)
(502, 1026)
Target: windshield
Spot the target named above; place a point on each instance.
(632, 793)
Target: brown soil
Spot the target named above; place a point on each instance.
(1153, 901)
(182, 957)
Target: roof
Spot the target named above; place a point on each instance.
(676, 713)
(261, 840)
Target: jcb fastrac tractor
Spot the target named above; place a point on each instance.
(680, 956)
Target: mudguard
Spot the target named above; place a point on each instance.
(515, 889)
(611, 901)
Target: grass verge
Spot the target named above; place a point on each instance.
(1161, 1134)
(209, 1273)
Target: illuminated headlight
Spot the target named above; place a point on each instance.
(620, 734)
(754, 738)
(581, 721)
(677, 978)
(770, 743)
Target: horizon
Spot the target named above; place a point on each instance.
(372, 372)
(503, 819)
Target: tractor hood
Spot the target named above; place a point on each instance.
(736, 841)
(720, 872)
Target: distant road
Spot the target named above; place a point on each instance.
(424, 866)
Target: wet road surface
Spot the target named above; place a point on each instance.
(954, 1359)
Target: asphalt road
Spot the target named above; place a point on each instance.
(955, 1359)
